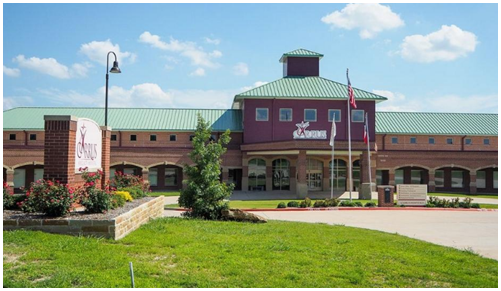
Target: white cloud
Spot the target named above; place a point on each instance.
(212, 40)
(369, 18)
(97, 51)
(197, 55)
(446, 44)
(256, 84)
(52, 67)
(142, 95)
(11, 72)
(16, 101)
(447, 103)
(199, 72)
(241, 69)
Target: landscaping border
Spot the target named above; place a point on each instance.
(414, 208)
(115, 228)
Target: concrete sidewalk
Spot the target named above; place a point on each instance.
(476, 230)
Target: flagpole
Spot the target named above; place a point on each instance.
(368, 151)
(332, 169)
(350, 182)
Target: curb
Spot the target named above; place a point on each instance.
(355, 208)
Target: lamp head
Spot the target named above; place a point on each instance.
(115, 69)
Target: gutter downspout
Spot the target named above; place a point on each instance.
(120, 139)
(25, 137)
(462, 143)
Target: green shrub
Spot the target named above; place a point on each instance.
(8, 197)
(117, 201)
(358, 204)
(319, 203)
(97, 200)
(302, 204)
(467, 202)
(347, 203)
(307, 201)
(370, 204)
(48, 197)
(431, 205)
(281, 205)
(475, 205)
(331, 202)
(293, 204)
(122, 181)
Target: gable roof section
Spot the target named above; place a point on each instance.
(31, 118)
(300, 53)
(436, 123)
(305, 88)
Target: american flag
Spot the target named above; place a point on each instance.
(350, 92)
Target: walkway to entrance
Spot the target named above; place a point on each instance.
(274, 195)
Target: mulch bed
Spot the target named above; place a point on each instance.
(79, 215)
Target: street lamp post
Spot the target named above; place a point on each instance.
(116, 70)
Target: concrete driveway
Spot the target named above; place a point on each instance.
(475, 230)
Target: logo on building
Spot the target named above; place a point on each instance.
(88, 145)
(302, 133)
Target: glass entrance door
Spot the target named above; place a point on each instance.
(314, 180)
(314, 174)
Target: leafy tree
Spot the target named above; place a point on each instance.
(204, 193)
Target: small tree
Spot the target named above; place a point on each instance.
(204, 193)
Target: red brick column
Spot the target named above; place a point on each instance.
(473, 182)
(105, 156)
(302, 187)
(10, 180)
(431, 181)
(269, 176)
(59, 148)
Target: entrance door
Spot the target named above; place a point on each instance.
(314, 180)
(314, 174)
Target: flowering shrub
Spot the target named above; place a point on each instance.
(8, 197)
(135, 185)
(125, 195)
(51, 198)
(94, 200)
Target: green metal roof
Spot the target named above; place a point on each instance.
(301, 53)
(305, 88)
(31, 118)
(436, 123)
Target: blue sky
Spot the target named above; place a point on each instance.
(424, 57)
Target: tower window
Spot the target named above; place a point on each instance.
(33, 136)
(133, 137)
(12, 136)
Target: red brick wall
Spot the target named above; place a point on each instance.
(440, 143)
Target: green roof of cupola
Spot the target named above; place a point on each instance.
(302, 53)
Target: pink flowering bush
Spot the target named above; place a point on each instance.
(8, 197)
(48, 197)
(95, 200)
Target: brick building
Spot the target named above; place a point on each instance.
(280, 139)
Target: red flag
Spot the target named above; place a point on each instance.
(351, 95)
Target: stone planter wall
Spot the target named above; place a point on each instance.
(116, 228)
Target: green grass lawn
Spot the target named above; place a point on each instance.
(254, 204)
(168, 193)
(175, 252)
(489, 206)
(464, 195)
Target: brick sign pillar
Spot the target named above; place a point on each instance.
(59, 148)
(105, 157)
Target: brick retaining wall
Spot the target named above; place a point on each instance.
(115, 228)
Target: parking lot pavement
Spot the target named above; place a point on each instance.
(475, 230)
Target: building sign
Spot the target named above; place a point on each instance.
(302, 133)
(412, 194)
(88, 145)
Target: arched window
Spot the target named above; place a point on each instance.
(281, 174)
(339, 174)
(257, 175)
